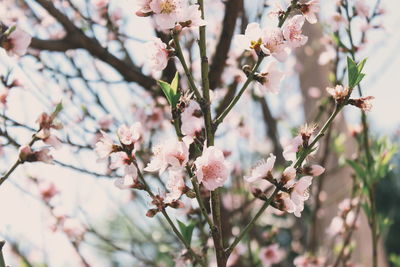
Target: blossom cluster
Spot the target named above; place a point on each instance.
(294, 192)
(14, 40)
(345, 219)
(123, 154)
(46, 123)
(168, 14)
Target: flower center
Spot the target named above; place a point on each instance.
(211, 171)
(256, 44)
(167, 7)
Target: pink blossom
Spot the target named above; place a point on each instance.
(252, 38)
(315, 170)
(130, 135)
(190, 16)
(274, 43)
(116, 15)
(293, 202)
(73, 228)
(17, 42)
(99, 4)
(158, 54)
(269, 41)
(351, 218)
(170, 153)
(3, 96)
(339, 92)
(44, 156)
(271, 255)
(290, 150)
(144, 8)
(27, 154)
(288, 176)
(269, 79)
(47, 190)
(105, 122)
(308, 261)
(327, 56)
(363, 103)
(262, 170)
(192, 123)
(212, 170)
(129, 179)
(105, 146)
(276, 9)
(300, 194)
(119, 159)
(46, 123)
(292, 32)
(336, 227)
(336, 20)
(175, 185)
(166, 12)
(310, 9)
(362, 8)
(53, 141)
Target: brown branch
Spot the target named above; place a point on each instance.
(272, 129)
(76, 38)
(232, 9)
(60, 45)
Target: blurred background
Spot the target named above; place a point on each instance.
(86, 186)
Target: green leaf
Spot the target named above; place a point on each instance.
(338, 42)
(174, 83)
(166, 88)
(171, 91)
(360, 65)
(395, 260)
(354, 72)
(59, 107)
(186, 230)
(357, 168)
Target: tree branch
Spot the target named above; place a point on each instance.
(232, 9)
(76, 38)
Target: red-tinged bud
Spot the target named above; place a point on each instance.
(176, 204)
(257, 192)
(363, 103)
(190, 193)
(313, 170)
(246, 69)
(143, 14)
(306, 131)
(151, 213)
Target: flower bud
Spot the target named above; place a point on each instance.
(246, 69)
(313, 170)
(363, 103)
(151, 213)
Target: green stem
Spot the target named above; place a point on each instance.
(373, 226)
(371, 190)
(215, 195)
(17, 162)
(189, 75)
(250, 225)
(181, 238)
(164, 212)
(201, 203)
(320, 134)
(237, 97)
(10, 171)
(2, 262)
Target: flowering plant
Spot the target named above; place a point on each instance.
(175, 130)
